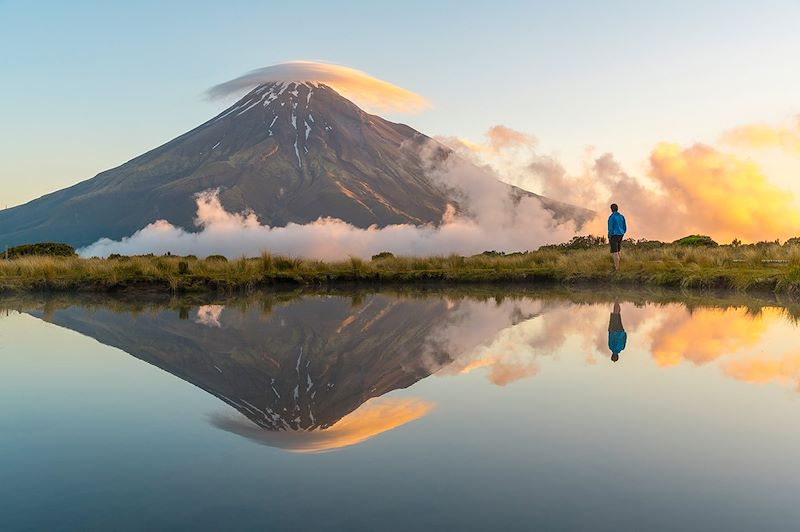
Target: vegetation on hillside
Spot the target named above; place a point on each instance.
(54, 249)
(696, 240)
(764, 266)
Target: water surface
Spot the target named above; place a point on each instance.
(464, 410)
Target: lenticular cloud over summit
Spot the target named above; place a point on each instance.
(365, 90)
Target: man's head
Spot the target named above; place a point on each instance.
(614, 207)
(614, 357)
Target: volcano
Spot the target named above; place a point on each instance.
(287, 151)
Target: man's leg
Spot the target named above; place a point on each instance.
(616, 260)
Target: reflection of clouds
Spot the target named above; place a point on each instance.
(472, 326)
(508, 339)
(733, 338)
(208, 315)
(375, 416)
(704, 335)
(784, 368)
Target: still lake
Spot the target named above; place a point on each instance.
(474, 409)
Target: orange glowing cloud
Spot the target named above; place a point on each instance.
(365, 90)
(765, 136)
(695, 189)
(720, 194)
(499, 139)
(376, 416)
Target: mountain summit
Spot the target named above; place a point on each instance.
(288, 151)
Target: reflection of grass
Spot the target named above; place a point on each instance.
(144, 302)
(769, 267)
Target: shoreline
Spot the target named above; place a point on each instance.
(717, 281)
(266, 299)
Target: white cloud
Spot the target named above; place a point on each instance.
(493, 221)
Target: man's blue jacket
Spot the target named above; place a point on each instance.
(616, 224)
(617, 341)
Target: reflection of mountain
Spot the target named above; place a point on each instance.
(309, 373)
(304, 366)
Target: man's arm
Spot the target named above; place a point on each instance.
(624, 225)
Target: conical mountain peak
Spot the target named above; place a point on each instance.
(288, 151)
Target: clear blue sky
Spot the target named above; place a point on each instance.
(89, 85)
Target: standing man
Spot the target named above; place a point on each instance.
(616, 230)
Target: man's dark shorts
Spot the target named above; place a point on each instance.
(616, 243)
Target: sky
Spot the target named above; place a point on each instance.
(90, 85)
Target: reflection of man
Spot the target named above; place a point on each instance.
(617, 337)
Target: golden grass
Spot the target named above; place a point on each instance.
(767, 267)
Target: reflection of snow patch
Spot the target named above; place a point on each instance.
(208, 315)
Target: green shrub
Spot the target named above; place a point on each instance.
(183, 267)
(578, 242)
(645, 244)
(216, 258)
(54, 249)
(383, 255)
(696, 240)
(767, 243)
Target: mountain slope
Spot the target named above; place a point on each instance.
(291, 152)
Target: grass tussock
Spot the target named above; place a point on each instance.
(766, 266)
